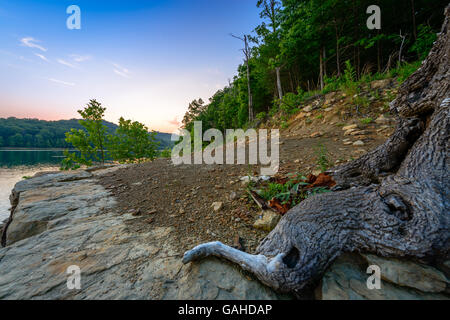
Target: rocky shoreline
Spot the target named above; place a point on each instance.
(63, 219)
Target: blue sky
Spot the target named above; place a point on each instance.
(144, 60)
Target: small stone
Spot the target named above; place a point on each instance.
(359, 133)
(297, 161)
(217, 206)
(358, 143)
(182, 211)
(349, 132)
(301, 115)
(353, 126)
(268, 221)
(233, 195)
(307, 109)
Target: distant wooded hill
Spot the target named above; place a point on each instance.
(34, 133)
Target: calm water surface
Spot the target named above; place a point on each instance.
(17, 163)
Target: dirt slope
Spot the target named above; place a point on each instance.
(163, 195)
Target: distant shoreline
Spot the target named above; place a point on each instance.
(33, 149)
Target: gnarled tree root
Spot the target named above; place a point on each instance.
(393, 202)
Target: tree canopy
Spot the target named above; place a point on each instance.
(34, 133)
(301, 45)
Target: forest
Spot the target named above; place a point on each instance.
(34, 133)
(306, 47)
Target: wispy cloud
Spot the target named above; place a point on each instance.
(123, 72)
(42, 57)
(69, 84)
(80, 58)
(32, 43)
(65, 63)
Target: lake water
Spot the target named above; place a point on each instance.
(17, 163)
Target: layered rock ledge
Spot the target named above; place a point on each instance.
(64, 219)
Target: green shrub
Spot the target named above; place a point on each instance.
(322, 158)
(330, 84)
(90, 142)
(406, 70)
(290, 102)
(366, 121)
(261, 116)
(166, 153)
(425, 39)
(348, 83)
(132, 142)
(361, 101)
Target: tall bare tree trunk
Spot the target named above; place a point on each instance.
(394, 201)
(338, 56)
(247, 55)
(413, 15)
(400, 52)
(321, 72)
(250, 97)
(291, 81)
(280, 90)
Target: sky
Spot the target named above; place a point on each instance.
(144, 60)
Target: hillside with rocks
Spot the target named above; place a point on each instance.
(128, 226)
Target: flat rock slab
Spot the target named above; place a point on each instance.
(67, 219)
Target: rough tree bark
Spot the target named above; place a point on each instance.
(393, 202)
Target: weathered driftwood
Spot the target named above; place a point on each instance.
(394, 201)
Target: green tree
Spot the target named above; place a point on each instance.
(16, 140)
(426, 37)
(91, 141)
(132, 142)
(304, 45)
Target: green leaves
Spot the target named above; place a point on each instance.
(425, 39)
(130, 143)
(90, 142)
(302, 42)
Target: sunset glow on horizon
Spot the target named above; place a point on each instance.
(143, 60)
